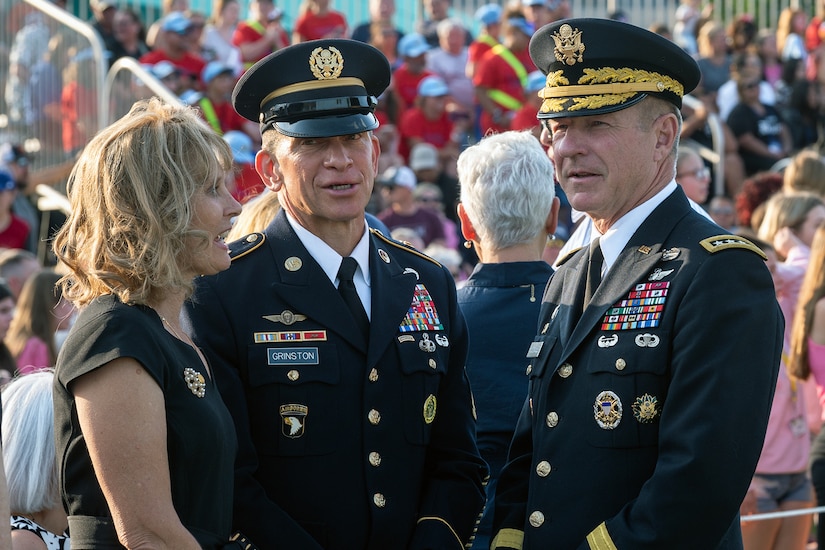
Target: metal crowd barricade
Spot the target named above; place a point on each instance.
(57, 66)
(783, 514)
(127, 82)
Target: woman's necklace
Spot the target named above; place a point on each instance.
(188, 342)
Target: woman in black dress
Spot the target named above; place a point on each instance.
(144, 442)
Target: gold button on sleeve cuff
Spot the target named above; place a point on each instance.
(599, 539)
(508, 538)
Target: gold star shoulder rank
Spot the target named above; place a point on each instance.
(403, 246)
(245, 245)
(725, 242)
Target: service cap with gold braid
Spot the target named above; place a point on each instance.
(319, 88)
(596, 66)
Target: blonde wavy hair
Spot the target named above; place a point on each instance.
(131, 193)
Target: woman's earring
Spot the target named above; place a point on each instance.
(468, 244)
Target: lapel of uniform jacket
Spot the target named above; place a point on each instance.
(392, 294)
(307, 289)
(637, 260)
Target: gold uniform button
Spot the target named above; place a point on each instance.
(379, 500)
(373, 375)
(543, 468)
(374, 417)
(529, 369)
(620, 364)
(293, 375)
(432, 363)
(565, 370)
(552, 419)
(375, 459)
(536, 519)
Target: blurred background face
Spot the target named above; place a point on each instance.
(125, 28)
(694, 177)
(805, 231)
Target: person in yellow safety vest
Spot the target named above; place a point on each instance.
(489, 18)
(501, 75)
(261, 34)
(215, 105)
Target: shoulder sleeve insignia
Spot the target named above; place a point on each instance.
(403, 246)
(724, 242)
(567, 256)
(243, 246)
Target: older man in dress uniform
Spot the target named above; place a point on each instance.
(652, 373)
(340, 352)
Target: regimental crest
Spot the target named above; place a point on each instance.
(326, 64)
(646, 408)
(569, 47)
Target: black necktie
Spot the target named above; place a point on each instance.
(346, 287)
(594, 271)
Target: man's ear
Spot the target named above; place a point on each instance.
(667, 130)
(269, 170)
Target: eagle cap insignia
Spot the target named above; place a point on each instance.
(326, 63)
(569, 46)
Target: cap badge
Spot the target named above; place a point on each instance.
(326, 64)
(569, 47)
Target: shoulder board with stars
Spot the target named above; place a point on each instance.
(403, 246)
(568, 256)
(243, 246)
(724, 242)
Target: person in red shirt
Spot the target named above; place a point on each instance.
(317, 20)
(526, 117)
(13, 230)
(261, 34)
(501, 74)
(215, 105)
(489, 17)
(413, 50)
(246, 183)
(429, 122)
(78, 103)
(176, 48)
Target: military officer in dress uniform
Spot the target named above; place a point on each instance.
(354, 415)
(652, 373)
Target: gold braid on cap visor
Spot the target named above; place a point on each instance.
(602, 87)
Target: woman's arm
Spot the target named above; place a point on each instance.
(122, 416)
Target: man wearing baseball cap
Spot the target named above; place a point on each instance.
(501, 75)
(647, 406)
(339, 352)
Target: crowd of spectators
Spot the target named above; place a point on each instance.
(765, 87)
